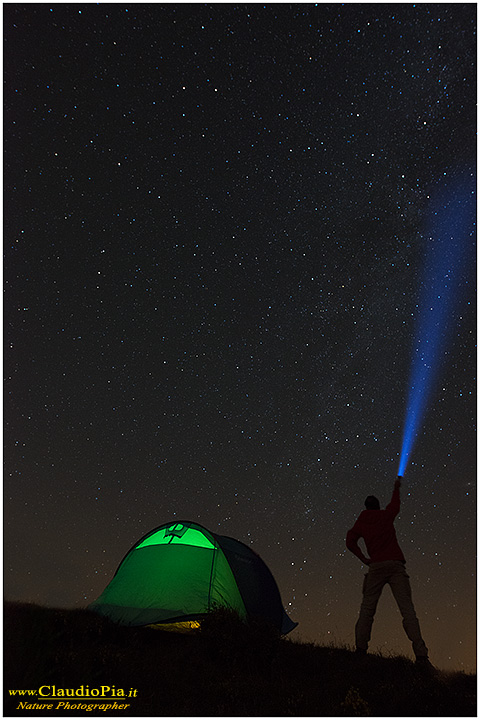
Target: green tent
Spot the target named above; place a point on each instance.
(179, 571)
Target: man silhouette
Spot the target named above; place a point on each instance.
(386, 565)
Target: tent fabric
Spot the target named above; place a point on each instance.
(256, 584)
(179, 571)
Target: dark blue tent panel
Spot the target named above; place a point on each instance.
(256, 584)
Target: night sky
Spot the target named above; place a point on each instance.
(214, 240)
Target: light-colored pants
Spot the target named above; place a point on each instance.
(394, 574)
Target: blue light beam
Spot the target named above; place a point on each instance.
(449, 256)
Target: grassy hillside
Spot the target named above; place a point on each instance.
(225, 669)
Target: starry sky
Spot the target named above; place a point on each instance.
(214, 236)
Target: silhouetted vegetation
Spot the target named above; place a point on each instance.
(227, 668)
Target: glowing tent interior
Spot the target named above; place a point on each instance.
(179, 571)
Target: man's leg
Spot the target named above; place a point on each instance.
(373, 585)
(402, 592)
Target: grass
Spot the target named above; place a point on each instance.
(226, 668)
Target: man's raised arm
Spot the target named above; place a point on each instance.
(393, 507)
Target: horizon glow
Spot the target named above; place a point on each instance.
(450, 246)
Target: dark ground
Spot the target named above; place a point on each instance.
(225, 669)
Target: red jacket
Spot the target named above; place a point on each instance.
(377, 530)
